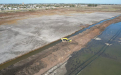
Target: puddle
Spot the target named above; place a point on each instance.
(99, 57)
(6, 64)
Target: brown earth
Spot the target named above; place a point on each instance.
(15, 16)
(11, 18)
(40, 63)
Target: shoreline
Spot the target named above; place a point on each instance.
(61, 50)
(32, 33)
(30, 53)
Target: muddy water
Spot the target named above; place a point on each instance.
(101, 56)
(43, 48)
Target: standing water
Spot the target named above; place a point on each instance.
(8, 63)
(101, 56)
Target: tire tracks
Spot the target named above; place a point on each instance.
(95, 56)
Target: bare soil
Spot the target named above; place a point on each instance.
(11, 18)
(23, 32)
(15, 16)
(40, 63)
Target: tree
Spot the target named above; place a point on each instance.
(92, 5)
(72, 5)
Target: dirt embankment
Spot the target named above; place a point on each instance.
(40, 63)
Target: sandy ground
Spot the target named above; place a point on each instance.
(29, 34)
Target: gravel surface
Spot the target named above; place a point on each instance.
(32, 33)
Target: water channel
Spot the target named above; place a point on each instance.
(10, 62)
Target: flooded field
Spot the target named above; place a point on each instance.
(101, 56)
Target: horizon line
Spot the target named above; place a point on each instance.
(63, 3)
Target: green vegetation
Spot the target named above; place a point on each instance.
(31, 10)
(92, 5)
(78, 7)
(56, 6)
(72, 5)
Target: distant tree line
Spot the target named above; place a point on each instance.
(92, 5)
(72, 5)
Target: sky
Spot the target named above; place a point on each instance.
(63, 1)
